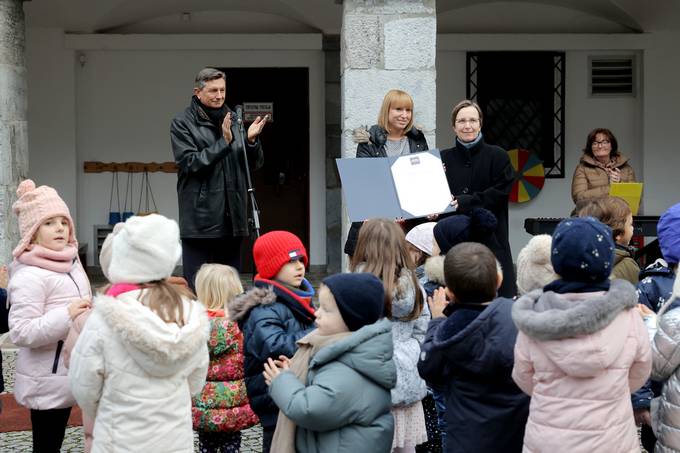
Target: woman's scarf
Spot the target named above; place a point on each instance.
(52, 260)
(284, 436)
(472, 143)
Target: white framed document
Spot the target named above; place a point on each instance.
(407, 186)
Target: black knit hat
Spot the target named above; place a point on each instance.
(359, 297)
(477, 227)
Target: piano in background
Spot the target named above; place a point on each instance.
(643, 225)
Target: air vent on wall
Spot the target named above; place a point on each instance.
(612, 76)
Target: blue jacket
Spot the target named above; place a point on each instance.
(345, 406)
(472, 353)
(654, 289)
(272, 319)
(656, 284)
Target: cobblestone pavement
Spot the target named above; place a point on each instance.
(20, 441)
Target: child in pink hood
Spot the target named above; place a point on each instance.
(582, 348)
(47, 289)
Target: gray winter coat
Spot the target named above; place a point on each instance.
(407, 337)
(345, 406)
(666, 368)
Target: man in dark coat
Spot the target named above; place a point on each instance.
(481, 175)
(211, 180)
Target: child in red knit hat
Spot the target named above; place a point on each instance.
(273, 316)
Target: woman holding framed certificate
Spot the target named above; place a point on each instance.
(394, 135)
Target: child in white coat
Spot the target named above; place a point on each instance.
(47, 289)
(143, 351)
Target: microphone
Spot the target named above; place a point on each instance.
(239, 114)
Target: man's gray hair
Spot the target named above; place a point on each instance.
(206, 75)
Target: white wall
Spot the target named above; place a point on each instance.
(661, 107)
(582, 114)
(129, 89)
(51, 114)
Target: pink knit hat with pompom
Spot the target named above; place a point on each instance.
(34, 205)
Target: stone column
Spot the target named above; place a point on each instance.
(13, 122)
(386, 44)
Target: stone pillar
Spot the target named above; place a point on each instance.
(386, 44)
(13, 122)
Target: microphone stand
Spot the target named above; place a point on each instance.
(255, 219)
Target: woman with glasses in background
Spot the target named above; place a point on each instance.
(600, 165)
(481, 175)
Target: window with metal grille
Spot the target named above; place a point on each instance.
(612, 76)
(522, 96)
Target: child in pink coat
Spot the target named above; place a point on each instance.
(582, 348)
(47, 289)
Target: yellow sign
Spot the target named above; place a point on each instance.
(629, 191)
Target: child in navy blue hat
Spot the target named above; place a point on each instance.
(479, 226)
(582, 347)
(334, 394)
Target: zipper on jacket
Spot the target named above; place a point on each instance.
(60, 344)
(74, 282)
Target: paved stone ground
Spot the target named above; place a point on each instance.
(20, 441)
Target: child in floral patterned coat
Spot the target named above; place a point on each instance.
(222, 410)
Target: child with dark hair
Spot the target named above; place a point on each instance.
(582, 347)
(468, 351)
(615, 213)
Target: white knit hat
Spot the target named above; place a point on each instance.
(422, 237)
(534, 269)
(145, 249)
(105, 252)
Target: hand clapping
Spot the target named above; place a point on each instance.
(437, 303)
(272, 368)
(226, 128)
(255, 128)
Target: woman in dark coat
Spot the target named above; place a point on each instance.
(481, 175)
(394, 135)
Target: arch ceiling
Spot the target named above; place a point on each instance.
(325, 16)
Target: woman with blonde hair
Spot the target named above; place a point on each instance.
(394, 135)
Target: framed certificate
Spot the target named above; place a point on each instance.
(407, 186)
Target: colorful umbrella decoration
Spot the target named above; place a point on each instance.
(529, 175)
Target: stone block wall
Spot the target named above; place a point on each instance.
(388, 44)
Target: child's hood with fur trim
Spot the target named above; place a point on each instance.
(239, 307)
(582, 333)
(160, 348)
(434, 269)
